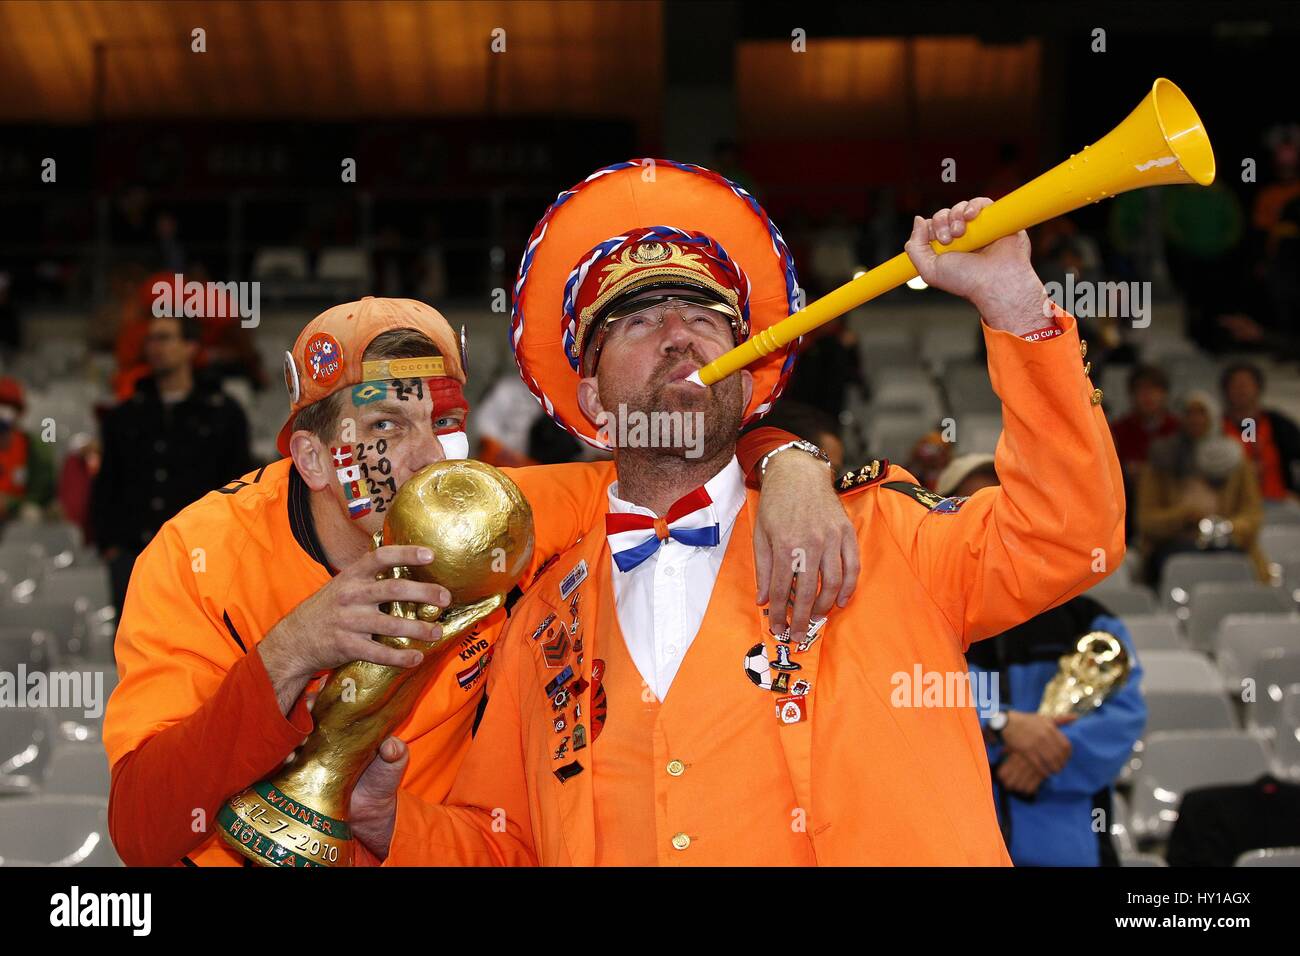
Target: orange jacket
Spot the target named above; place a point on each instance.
(872, 783)
(194, 718)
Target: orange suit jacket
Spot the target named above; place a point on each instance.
(881, 784)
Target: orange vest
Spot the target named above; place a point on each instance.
(657, 767)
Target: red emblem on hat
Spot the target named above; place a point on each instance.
(323, 358)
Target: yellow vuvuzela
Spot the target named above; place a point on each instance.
(1161, 143)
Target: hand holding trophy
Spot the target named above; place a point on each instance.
(480, 530)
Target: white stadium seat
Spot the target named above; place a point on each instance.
(56, 831)
(1175, 762)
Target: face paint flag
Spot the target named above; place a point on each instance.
(359, 508)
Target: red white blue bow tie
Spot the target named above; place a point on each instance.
(690, 520)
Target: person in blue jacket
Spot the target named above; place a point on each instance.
(1052, 779)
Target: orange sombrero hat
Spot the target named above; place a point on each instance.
(695, 212)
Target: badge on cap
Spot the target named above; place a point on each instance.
(323, 358)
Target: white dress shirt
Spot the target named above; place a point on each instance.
(661, 602)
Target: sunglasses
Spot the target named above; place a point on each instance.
(638, 306)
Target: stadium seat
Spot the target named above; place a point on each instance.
(1141, 859)
(881, 353)
(968, 388)
(1151, 632)
(280, 262)
(1277, 674)
(1179, 670)
(22, 562)
(978, 432)
(1280, 541)
(1274, 856)
(1242, 638)
(57, 831)
(78, 770)
(343, 266)
(70, 585)
(1212, 602)
(1187, 710)
(1286, 744)
(61, 619)
(26, 745)
(1280, 513)
(1175, 762)
(73, 723)
(894, 438)
(53, 537)
(1119, 824)
(944, 343)
(23, 645)
(1183, 572)
(1124, 600)
(1120, 577)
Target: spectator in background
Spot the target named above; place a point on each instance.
(174, 440)
(504, 419)
(809, 423)
(76, 479)
(1198, 492)
(551, 445)
(1148, 420)
(929, 457)
(171, 255)
(1204, 228)
(1050, 774)
(1270, 439)
(1273, 197)
(26, 467)
(225, 349)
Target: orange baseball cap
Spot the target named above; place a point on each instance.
(327, 355)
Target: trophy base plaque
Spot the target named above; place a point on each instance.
(272, 828)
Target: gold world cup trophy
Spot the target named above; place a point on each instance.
(480, 529)
(1098, 667)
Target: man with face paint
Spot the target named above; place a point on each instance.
(244, 600)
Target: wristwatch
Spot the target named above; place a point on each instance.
(804, 446)
(998, 723)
